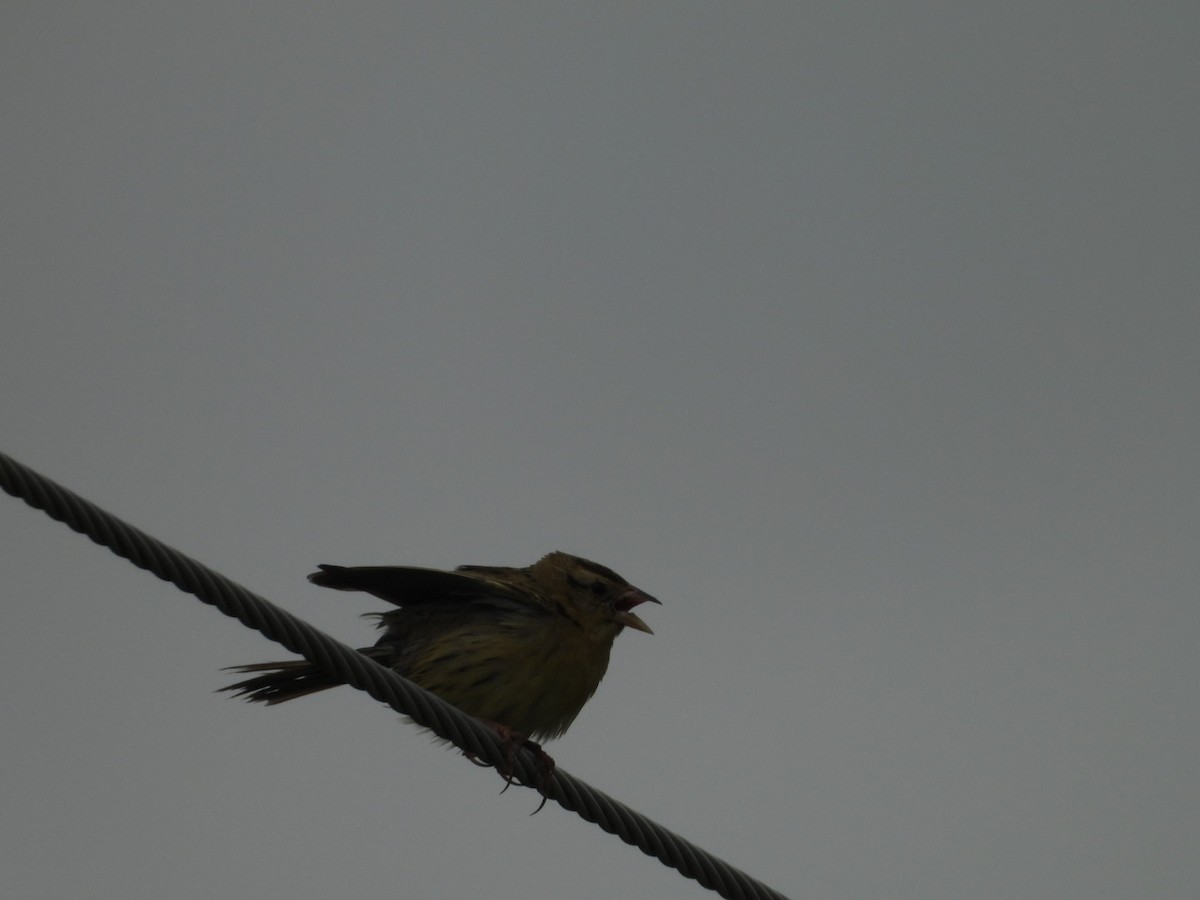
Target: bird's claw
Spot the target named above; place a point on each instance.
(545, 763)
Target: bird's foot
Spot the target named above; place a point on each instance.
(512, 740)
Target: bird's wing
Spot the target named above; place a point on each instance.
(406, 586)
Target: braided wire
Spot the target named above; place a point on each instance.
(385, 685)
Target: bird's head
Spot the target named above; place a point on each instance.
(597, 594)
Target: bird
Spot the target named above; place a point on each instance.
(522, 649)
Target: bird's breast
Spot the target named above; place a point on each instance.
(532, 674)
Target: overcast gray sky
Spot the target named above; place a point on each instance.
(864, 335)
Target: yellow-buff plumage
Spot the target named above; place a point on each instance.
(521, 648)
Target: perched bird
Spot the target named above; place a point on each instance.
(522, 649)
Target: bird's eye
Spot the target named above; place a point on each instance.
(598, 588)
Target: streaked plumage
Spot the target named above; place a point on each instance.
(521, 648)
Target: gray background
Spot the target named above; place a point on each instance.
(862, 334)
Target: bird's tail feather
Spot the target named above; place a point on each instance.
(290, 679)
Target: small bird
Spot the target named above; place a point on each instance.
(522, 649)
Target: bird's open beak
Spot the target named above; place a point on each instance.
(626, 602)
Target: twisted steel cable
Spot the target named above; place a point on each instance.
(385, 685)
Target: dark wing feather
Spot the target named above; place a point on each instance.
(406, 586)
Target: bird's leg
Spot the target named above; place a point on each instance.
(512, 739)
(545, 771)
